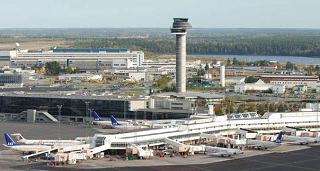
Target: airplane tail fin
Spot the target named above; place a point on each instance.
(114, 121)
(19, 137)
(9, 141)
(279, 138)
(96, 117)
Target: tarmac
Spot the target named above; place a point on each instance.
(45, 131)
(282, 158)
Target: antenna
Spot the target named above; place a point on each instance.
(18, 46)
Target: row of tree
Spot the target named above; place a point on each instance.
(284, 46)
(53, 68)
(251, 107)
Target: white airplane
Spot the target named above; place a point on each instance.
(300, 140)
(125, 126)
(223, 151)
(25, 148)
(22, 140)
(265, 144)
(99, 121)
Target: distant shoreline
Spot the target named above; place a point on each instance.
(210, 58)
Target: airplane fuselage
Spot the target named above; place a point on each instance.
(301, 140)
(30, 148)
(262, 144)
(47, 142)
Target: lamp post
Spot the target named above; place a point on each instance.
(87, 109)
(268, 116)
(59, 111)
(317, 130)
(86, 118)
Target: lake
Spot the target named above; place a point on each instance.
(280, 59)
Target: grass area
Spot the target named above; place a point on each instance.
(34, 43)
(201, 88)
(134, 91)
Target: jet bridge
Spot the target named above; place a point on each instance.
(39, 154)
(174, 143)
(293, 130)
(178, 146)
(224, 139)
(32, 116)
(246, 133)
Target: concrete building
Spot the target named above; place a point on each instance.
(278, 89)
(179, 28)
(235, 80)
(300, 89)
(318, 87)
(291, 80)
(259, 86)
(216, 72)
(11, 80)
(85, 59)
(16, 77)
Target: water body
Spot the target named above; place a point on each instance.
(280, 59)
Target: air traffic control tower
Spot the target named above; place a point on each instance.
(179, 28)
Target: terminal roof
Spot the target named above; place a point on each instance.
(91, 50)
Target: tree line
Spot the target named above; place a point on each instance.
(282, 46)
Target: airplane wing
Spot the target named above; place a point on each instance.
(301, 141)
(221, 153)
(295, 142)
(39, 153)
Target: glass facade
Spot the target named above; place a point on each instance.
(10, 78)
(70, 106)
(76, 106)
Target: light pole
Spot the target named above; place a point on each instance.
(59, 111)
(124, 115)
(87, 109)
(317, 135)
(86, 118)
(268, 116)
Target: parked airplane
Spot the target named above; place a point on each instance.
(25, 148)
(126, 126)
(129, 123)
(22, 140)
(265, 144)
(99, 121)
(223, 151)
(300, 140)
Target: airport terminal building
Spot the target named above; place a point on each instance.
(84, 58)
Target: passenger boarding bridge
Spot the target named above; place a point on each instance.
(189, 132)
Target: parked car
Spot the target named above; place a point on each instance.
(165, 152)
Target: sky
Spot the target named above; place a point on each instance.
(159, 13)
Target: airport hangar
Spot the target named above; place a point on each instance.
(74, 107)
